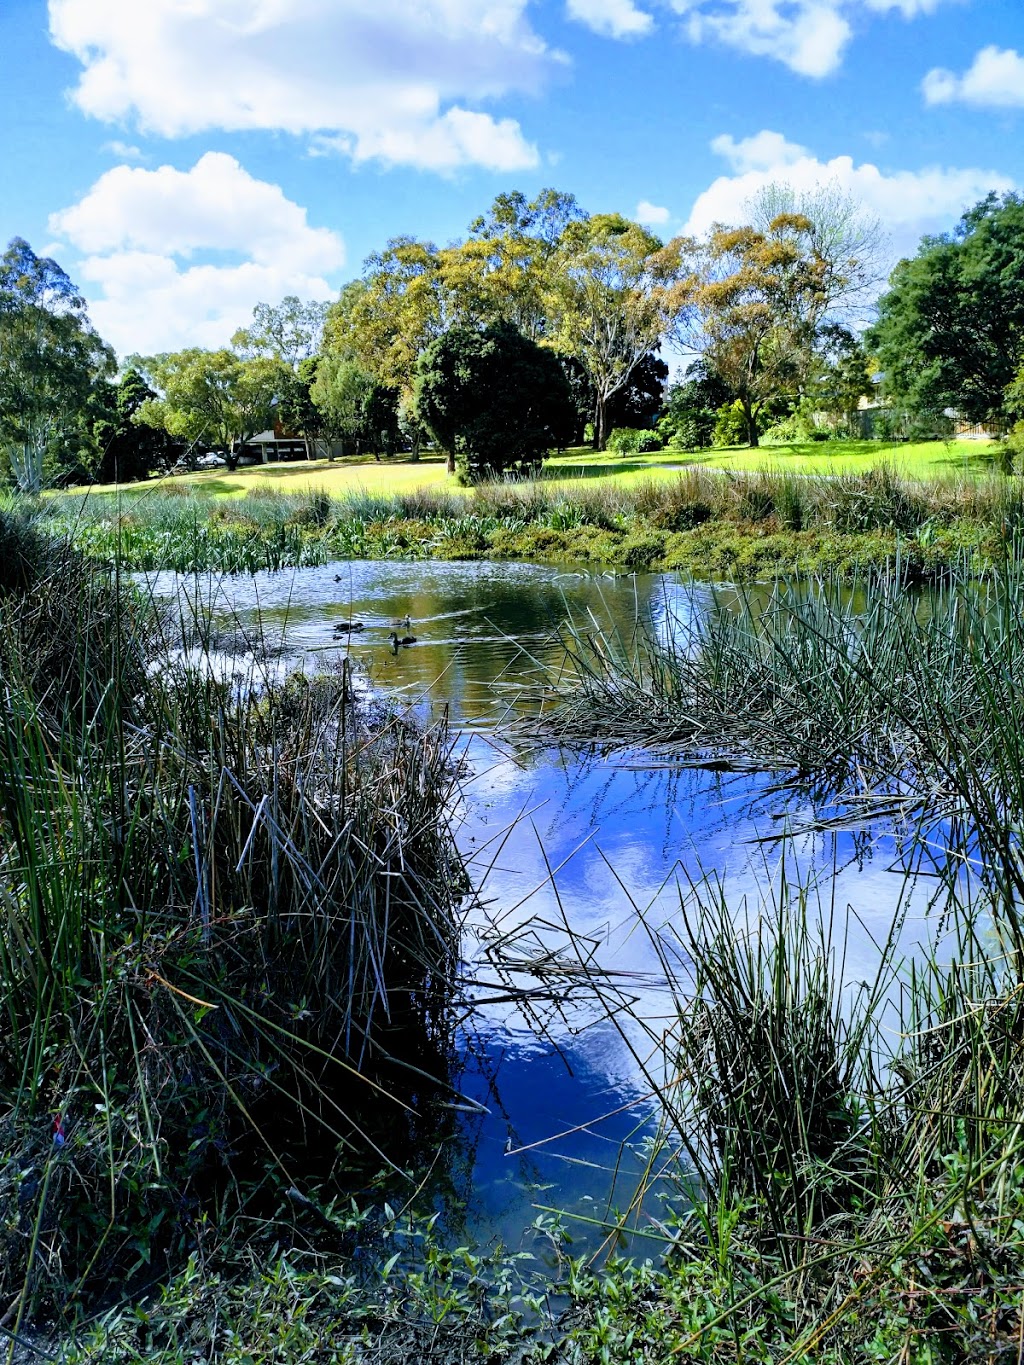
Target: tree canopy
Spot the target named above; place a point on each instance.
(291, 331)
(359, 412)
(592, 289)
(493, 398)
(754, 301)
(213, 397)
(127, 449)
(770, 307)
(50, 358)
(612, 298)
(950, 327)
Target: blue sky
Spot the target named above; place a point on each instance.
(185, 159)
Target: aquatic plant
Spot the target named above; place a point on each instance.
(852, 1152)
(717, 524)
(228, 920)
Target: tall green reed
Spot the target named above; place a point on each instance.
(228, 920)
(868, 691)
(850, 1157)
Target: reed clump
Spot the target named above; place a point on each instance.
(846, 1156)
(851, 1152)
(864, 682)
(228, 922)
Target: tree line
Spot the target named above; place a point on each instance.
(540, 328)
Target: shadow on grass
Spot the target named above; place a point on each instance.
(989, 461)
(288, 470)
(594, 471)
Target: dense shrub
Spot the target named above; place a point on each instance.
(682, 503)
(634, 441)
(877, 500)
(730, 426)
(640, 552)
(493, 398)
(797, 427)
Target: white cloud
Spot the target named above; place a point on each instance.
(457, 138)
(908, 8)
(907, 202)
(378, 78)
(124, 151)
(147, 303)
(613, 18)
(140, 232)
(995, 79)
(763, 151)
(808, 36)
(216, 206)
(651, 214)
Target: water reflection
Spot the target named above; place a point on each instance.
(483, 631)
(564, 848)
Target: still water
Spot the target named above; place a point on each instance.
(565, 848)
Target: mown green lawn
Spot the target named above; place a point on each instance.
(921, 460)
(928, 460)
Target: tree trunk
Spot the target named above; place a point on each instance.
(451, 462)
(600, 420)
(748, 413)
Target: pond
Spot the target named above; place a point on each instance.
(570, 852)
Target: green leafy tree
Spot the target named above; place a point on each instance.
(291, 331)
(950, 329)
(847, 241)
(382, 424)
(843, 378)
(692, 406)
(493, 399)
(385, 320)
(50, 359)
(127, 449)
(640, 400)
(611, 299)
(213, 397)
(503, 271)
(754, 302)
(300, 415)
(343, 392)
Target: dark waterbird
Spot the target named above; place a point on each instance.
(397, 640)
(343, 627)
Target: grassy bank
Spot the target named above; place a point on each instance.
(710, 524)
(228, 921)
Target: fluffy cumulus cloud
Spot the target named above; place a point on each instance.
(613, 18)
(995, 80)
(378, 78)
(653, 215)
(180, 258)
(908, 202)
(808, 36)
